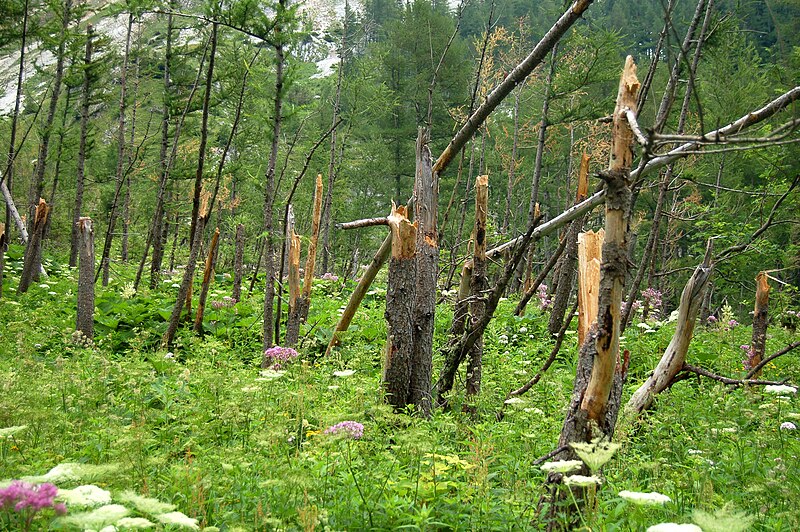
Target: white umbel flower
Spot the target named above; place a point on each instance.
(344, 373)
(88, 495)
(564, 466)
(638, 497)
(179, 519)
(7, 432)
(779, 388)
(581, 481)
(674, 527)
(134, 523)
(146, 505)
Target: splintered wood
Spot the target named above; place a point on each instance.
(590, 246)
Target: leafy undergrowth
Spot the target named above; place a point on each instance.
(203, 429)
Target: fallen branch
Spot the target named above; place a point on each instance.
(770, 358)
(366, 222)
(688, 368)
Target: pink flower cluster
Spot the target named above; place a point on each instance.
(544, 300)
(328, 276)
(226, 302)
(711, 319)
(749, 355)
(351, 429)
(652, 297)
(27, 500)
(279, 356)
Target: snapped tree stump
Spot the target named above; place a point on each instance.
(759, 342)
(85, 314)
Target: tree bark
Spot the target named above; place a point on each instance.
(269, 189)
(758, 344)
(478, 285)
(237, 263)
(85, 315)
(201, 155)
(426, 204)
(105, 259)
(2, 255)
(81, 160)
(304, 301)
(400, 310)
(207, 273)
(33, 253)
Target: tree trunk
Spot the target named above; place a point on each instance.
(105, 259)
(158, 232)
(207, 273)
(478, 285)
(675, 355)
(33, 253)
(426, 204)
(37, 185)
(759, 342)
(358, 294)
(85, 316)
(237, 263)
(400, 310)
(513, 164)
(126, 205)
(269, 190)
(2, 255)
(81, 161)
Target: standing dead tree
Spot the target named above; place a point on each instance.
(478, 284)
(207, 273)
(758, 343)
(85, 315)
(33, 253)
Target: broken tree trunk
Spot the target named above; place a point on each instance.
(590, 245)
(675, 356)
(3, 246)
(238, 263)
(400, 309)
(209, 270)
(85, 316)
(759, 342)
(33, 253)
(566, 276)
(479, 284)
(304, 301)
(293, 323)
(426, 203)
(358, 294)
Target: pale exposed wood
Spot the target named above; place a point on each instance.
(33, 252)
(479, 283)
(674, 357)
(85, 305)
(758, 343)
(590, 246)
(598, 390)
(366, 222)
(358, 294)
(293, 322)
(312, 246)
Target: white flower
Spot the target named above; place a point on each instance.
(333, 387)
(694, 451)
(52, 293)
(88, 495)
(639, 497)
(249, 389)
(44, 285)
(147, 505)
(133, 523)
(595, 454)
(674, 527)
(503, 339)
(523, 330)
(788, 425)
(582, 481)
(534, 410)
(779, 388)
(10, 431)
(97, 519)
(563, 466)
(344, 373)
(179, 519)
(270, 374)
(513, 401)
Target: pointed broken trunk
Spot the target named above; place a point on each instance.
(33, 253)
(207, 274)
(759, 342)
(590, 245)
(479, 284)
(293, 323)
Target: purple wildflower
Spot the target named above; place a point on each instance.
(351, 429)
(711, 319)
(788, 425)
(732, 323)
(279, 356)
(328, 276)
(749, 356)
(26, 500)
(544, 300)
